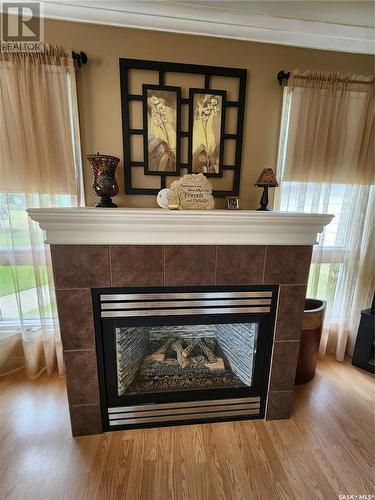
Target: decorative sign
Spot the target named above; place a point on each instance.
(191, 192)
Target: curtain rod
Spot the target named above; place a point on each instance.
(80, 58)
(283, 76)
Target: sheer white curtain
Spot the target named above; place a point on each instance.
(320, 177)
(40, 166)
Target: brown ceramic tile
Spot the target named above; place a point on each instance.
(189, 265)
(80, 266)
(280, 405)
(136, 265)
(287, 264)
(76, 319)
(284, 364)
(290, 312)
(239, 265)
(81, 377)
(85, 420)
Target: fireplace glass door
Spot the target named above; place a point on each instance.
(152, 359)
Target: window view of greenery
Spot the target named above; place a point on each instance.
(313, 197)
(24, 278)
(326, 276)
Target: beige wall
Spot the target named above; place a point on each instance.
(99, 89)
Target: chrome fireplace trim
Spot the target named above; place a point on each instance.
(159, 406)
(191, 410)
(182, 303)
(182, 312)
(183, 295)
(172, 304)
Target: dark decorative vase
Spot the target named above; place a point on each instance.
(104, 181)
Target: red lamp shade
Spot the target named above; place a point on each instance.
(267, 179)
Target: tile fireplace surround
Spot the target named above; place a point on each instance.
(95, 248)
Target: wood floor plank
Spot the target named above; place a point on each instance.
(325, 449)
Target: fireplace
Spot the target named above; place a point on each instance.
(104, 249)
(174, 355)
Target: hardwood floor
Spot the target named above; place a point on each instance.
(324, 450)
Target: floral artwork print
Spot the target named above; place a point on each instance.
(206, 133)
(162, 134)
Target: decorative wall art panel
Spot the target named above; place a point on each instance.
(207, 123)
(161, 112)
(179, 119)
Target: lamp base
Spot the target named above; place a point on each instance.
(265, 209)
(264, 200)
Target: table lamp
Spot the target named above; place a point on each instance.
(266, 179)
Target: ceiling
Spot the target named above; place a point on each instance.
(346, 26)
(351, 13)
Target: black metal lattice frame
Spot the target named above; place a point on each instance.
(162, 68)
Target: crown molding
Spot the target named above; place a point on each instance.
(131, 226)
(176, 17)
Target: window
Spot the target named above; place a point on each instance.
(337, 247)
(325, 147)
(40, 167)
(25, 274)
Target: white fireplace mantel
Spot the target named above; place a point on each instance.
(130, 226)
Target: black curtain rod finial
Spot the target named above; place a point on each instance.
(80, 58)
(282, 76)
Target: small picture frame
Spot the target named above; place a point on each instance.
(232, 202)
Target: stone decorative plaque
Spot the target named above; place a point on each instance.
(191, 192)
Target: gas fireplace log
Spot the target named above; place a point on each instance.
(207, 351)
(167, 344)
(216, 366)
(159, 354)
(203, 346)
(182, 361)
(186, 352)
